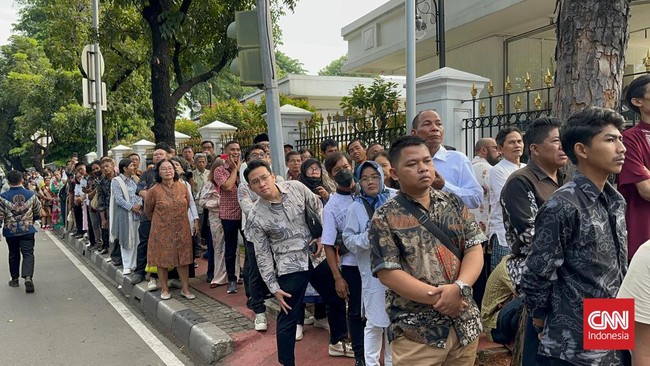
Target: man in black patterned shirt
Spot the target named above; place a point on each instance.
(579, 248)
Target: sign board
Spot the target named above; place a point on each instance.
(89, 99)
(88, 61)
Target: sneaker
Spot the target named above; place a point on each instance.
(359, 363)
(336, 350)
(298, 332)
(260, 322)
(175, 283)
(136, 278)
(322, 323)
(152, 285)
(29, 285)
(232, 287)
(14, 283)
(126, 271)
(309, 319)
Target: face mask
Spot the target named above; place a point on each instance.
(344, 178)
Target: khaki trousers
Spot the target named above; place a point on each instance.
(409, 353)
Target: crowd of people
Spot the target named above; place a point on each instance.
(415, 251)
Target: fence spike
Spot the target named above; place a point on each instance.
(646, 61)
(508, 85)
(500, 107)
(528, 83)
(490, 88)
(481, 109)
(538, 101)
(548, 78)
(518, 104)
(473, 91)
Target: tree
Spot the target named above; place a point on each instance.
(335, 68)
(380, 100)
(287, 65)
(590, 53)
(188, 46)
(38, 100)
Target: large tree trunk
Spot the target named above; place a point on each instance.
(592, 37)
(164, 108)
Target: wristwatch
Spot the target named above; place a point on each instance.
(465, 289)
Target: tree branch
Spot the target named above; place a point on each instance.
(188, 84)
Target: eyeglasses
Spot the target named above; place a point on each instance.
(314, 169)
(260, 180)
(256, 156)
(374, 178)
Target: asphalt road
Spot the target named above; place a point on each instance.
(74, 317)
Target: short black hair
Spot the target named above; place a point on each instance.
(539, 129)
(303, 150)
(14, 177)
(188, 147)
(96, 162)
(254, 147)
(78, 164)
(231, 142)
(289, 146)
(290, 154)
(582, 126)
(163, 146)
(262, 137)
(400, 144)
(123, 164)
(503, 133)
(327, 143)
(331, 160)
(636, 89)
(347, 148)
(158, 177)
(134, 154)
(254, 165)
(208, 142)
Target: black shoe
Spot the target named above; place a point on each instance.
(136, 278)
(29, 285)
(359, 363)
(14, 282)
(208, 279)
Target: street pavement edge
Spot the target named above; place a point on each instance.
(204, 338)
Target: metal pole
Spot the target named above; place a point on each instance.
(273, 118)
(98, 82)
(441, 34)
(410, 61)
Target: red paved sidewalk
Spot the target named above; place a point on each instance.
(259, 348)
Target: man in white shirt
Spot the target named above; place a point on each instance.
(454, 171)
(486, 155)
(511, 146)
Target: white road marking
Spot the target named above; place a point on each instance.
(165, 354)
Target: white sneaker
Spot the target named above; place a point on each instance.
(260, 322)
(298, 332)
(340, 349)
(309, 319)
(322, 323)
(126, 271)
(152, 285)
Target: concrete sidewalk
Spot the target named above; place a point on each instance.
(218, 326)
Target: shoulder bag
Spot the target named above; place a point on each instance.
(423, 218)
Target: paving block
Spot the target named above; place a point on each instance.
(104, 266)
(182, 323)
(137, 293)
(149, 304)
(127, 286)
(96, 259)
(210, 342)
(119, 277)
(166, 311)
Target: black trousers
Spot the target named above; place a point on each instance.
(141, 256)
(22, 245)
(231, 230)
(253, 284)
(356, 323)
(78, 218)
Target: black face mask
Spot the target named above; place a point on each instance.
(344, 178)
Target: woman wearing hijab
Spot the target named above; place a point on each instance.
(311, 175)
(372, 195)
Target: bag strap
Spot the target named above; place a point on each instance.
(423, 218)
(369, 209)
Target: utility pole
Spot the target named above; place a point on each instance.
(273, 119)
(410, 61)
(98, 81)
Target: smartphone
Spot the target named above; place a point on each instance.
(313, 247)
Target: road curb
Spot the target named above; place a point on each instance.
(204, 338)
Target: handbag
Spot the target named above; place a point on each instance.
(94, 203)
(423, 218)
(313, 222)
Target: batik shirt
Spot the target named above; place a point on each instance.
(524, 193)
(399, 242)
(280, 234)
(579, 251)
(104, 192)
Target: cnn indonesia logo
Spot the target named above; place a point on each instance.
(608, 324)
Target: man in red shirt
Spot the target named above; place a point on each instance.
(226, 179)
(634, 179)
